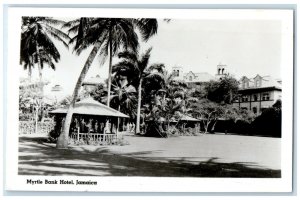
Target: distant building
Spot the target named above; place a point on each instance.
(258, 93)
(56, 88)
(55, 93)
(192, 77)
(91, 83)
(222, 71)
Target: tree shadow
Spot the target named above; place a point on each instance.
(39, 158)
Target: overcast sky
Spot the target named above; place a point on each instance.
(247, 47)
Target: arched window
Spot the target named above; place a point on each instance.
(222, 70)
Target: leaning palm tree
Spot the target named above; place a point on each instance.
(107, 36)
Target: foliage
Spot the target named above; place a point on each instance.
(124, 99)
(36, 42)
(30, 100)
(207, 111)
(223, 91)
(107, 36)
(269, 122)
(99, 93)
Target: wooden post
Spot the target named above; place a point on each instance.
(78, 134)
(117, 130)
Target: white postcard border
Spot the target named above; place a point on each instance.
(153, 184)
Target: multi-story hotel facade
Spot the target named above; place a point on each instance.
(258, 93)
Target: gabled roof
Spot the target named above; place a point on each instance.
(266, 82)
(89, 106)
(200, 77)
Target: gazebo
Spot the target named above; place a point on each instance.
(91, 121)
(186, 123)
(191, 122)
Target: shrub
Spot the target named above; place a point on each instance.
(268, 123)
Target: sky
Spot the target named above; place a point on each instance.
(247, 47)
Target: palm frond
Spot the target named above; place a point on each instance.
(159, 67)
(148, 27)
(143, 62)
(128, 55)
(56, 35)
(72, 23)
(50, 20)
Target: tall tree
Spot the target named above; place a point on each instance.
(137, 65)
(124, 99)
(107, 36)
(36, 42)
(37, 46)
(222, 91)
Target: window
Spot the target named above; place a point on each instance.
(254, 110)
(257, 83)
(244, 98)
(255, 97)
(176, 72)
(266, 97)
(245, 84)
(191, 78)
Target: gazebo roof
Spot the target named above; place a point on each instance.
(89, 106)
(185, 118)
(188, 118)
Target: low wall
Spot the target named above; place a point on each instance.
(28, 127)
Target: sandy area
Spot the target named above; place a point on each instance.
(200, 156)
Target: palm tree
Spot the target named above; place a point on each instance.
(124, 99)
(36, 42)
(37, 46)
(107, 36)
(110, 34)
(136, 64)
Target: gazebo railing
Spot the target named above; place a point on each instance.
(94, 138)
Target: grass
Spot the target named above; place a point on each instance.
(192, 156)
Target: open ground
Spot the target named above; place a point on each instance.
(209, 155)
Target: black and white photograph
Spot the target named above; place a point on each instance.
(196, 95)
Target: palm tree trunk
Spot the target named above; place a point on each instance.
(39, 63)
(36, 119)
(30, 65)
(118, 121)
(62, 141)
(109, 70)
(41, 85)
(29, 73)
(138, 114)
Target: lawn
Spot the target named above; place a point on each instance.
(185, 156)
